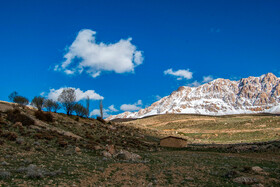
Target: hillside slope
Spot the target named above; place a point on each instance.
(218, 97)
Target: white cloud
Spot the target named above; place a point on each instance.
(96, 112)
(207, 78)
(112, 108)
(139, 102)
(180, 74)
(80, 95)
(105, 111)
(132, 107)
(85, 54)
(194, 84)
(69, 72)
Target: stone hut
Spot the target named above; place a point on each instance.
(173, 141)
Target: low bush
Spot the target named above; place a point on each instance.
(4, 174)
(12, 136)
(101, 119)
(62, 143)
(15, 115)
(2, 121)
(45, 136)
(44, 116)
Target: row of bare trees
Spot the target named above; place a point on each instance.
(66, 100)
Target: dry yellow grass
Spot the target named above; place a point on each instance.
(214, 129)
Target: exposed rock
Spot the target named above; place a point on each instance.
(4, 174)
(4, 163)
(106, 154)
(257, 185)
(218, 97)
(78, 150)
(32, 171)
(257, 169)
(245, 180)
(18, 125)
(19, 140)
(111, 149)
(125, 155)
(36, 143)
(97, 147)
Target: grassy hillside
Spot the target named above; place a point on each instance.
(49, 149)
(214, 129)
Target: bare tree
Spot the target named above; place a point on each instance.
(38, 102)
(80, 110)
(87, 101)
(68, 100)
(101, 109)
(51, 105)
(14, 97)
(56, 106)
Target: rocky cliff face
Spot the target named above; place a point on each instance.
(218, 97)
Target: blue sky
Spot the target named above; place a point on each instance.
(214, 39)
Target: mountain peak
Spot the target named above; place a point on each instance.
(218, 97)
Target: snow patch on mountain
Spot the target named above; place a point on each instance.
(218, 97)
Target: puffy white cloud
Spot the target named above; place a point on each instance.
(132, 107)
(180, 74)
(96, 112)
(80, 95)
(112, 108)
(85, 54)
(207, 78)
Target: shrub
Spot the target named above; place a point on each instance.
(32, 171)
(15, 116)
(101, 119)
(45, 136)
(44, 116)
(12, 136)
(14, 97)
(62, 143)
(38, 102)
(2, 121)
(4, 174)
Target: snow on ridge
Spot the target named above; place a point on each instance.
(218, 97)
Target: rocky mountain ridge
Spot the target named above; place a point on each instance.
(218, 97)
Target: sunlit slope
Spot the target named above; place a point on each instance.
(214, 129)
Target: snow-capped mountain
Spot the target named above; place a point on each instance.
(218, 97)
